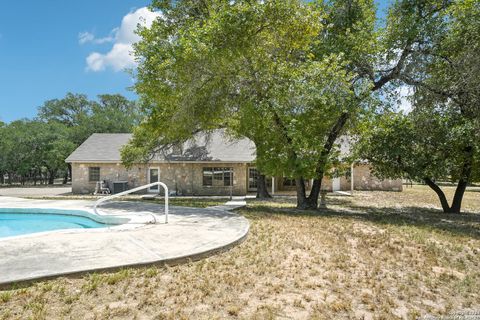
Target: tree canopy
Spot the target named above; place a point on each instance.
(255, 68)
(440, 139)
(292, 76)
(109, 114)
(36, 149)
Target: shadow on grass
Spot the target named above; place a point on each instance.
(187, 202)
(465, 224)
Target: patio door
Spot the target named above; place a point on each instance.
(336, 184)
(153, 176)
(252, 179)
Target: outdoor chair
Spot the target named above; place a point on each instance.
(102, 187)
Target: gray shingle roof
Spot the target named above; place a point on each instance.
(100, 147)
(105, 147)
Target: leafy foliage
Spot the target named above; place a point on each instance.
(252, 67)
(440, 138)
(82, 117)
(37, 149)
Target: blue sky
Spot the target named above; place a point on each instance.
(49, 48)
(41, 57)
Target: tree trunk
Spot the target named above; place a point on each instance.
(440, 194)
(456, 206)
(2, 178)
(315, 192)
(262, 190)
(458, 197)
(65, 177)
(51, 177)
(311, 202)
(304, 202)
(463, 181)
(70, 171)
(301, 195)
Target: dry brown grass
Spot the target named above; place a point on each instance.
(378, 255)
(196, 202)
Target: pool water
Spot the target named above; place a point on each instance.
(14, 224)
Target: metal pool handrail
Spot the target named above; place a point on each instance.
(113, 196)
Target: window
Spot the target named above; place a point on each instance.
(217, 177)
(252, 178)
(227, 177)
(207, 177)
(287, 182)
(94, 174)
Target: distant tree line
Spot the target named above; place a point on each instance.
(34, 150)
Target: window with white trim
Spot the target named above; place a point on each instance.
(217, 177)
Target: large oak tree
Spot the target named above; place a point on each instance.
(291, 76)
(440, 139)
(247, 66)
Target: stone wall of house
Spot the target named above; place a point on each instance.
(110, 172)
(181, 178)
(187, 178)
(363, 180)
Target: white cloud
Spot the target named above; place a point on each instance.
(86, 37)
(120, 55)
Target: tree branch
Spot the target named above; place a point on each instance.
(439, 192)
(395, 71)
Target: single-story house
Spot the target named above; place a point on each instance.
(205, 165)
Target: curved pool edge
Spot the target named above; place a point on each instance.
(169, 262)
(110, 220)
(192, 234)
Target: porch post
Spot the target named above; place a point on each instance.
(273, 186)
(352, 186)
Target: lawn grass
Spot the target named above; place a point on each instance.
(194, 202)
(378, 255)
(176, 201)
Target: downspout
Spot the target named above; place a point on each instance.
(191, 179)
(352, 184)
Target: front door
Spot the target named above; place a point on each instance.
(153, 176)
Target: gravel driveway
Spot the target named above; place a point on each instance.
(35, 191)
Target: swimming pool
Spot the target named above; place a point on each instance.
(15, 222)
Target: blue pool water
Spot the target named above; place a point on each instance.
(14, 223)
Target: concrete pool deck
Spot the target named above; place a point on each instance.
(192, 233)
